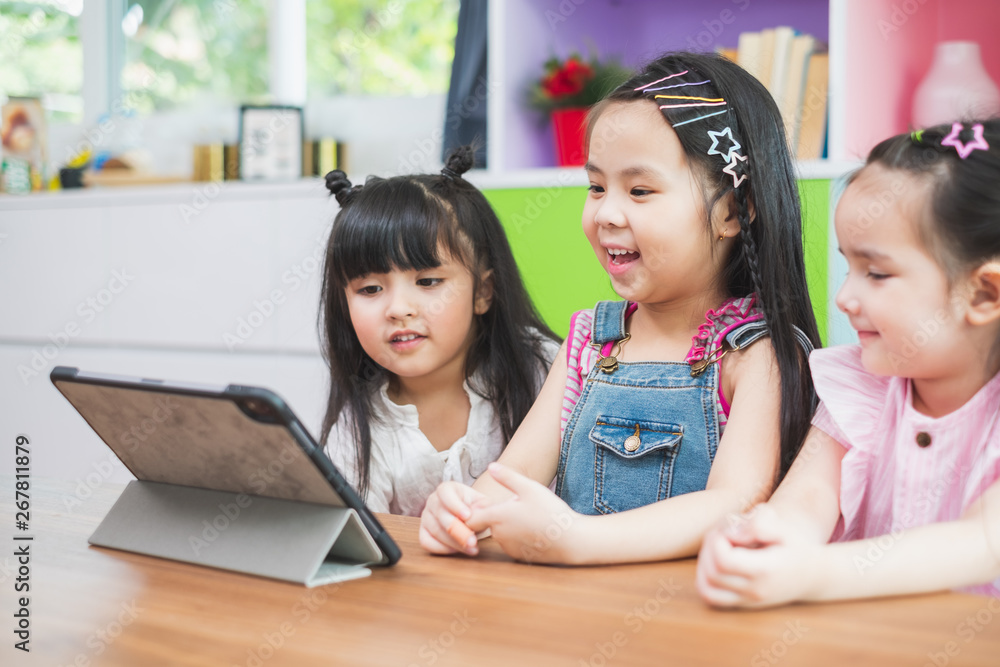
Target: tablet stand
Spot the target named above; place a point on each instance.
(306, 543)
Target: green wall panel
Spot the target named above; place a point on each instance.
(815, 213)
(563, 276)
(557, 263)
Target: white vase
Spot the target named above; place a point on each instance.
(956, 88)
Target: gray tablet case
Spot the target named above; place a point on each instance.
(217, 485)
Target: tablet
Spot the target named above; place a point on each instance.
(237, 439)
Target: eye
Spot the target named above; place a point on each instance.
(596, 189)
(369, 290)
(876, 276)
(640, 192)
(429, 282)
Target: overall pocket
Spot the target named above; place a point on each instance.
(633, 461)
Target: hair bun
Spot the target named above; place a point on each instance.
(459, 161)
(340, 186)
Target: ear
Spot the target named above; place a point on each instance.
(732, 211)
(484, 294)
(984, 303)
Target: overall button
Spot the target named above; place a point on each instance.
(924, 439)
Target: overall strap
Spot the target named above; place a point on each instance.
(609, 322)
(750, 332)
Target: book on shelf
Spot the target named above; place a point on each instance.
(795, 71)
(780, 61)
(790, 102)
(765, 61)
(812, 126)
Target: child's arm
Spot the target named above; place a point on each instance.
(919, 560)
(537, 525)
(533, 451)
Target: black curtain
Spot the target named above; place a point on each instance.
(465, 114)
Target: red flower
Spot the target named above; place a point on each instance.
(569, 79)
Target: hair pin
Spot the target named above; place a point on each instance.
(696, 104)
(653, 83)
(692, 120)
(916, 136)
(679, 85)
(964, 150)
(688, 97)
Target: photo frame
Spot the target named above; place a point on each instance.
(23, 135)
(271, 142)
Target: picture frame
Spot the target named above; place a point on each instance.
(24, 151)
(271, 142)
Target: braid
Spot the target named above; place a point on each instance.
(748, 245)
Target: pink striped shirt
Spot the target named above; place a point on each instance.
(903, 469)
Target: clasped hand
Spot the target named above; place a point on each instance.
(533, 525)
(757, 562)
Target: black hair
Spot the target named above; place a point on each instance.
(767, 258)
(402, 223)
(961, 215)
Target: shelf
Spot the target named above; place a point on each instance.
(879, 52)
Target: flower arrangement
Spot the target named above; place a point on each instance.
(575, 82)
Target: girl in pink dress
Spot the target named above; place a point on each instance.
(901, 470)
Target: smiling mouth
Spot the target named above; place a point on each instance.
(621, 256)
(405, 338)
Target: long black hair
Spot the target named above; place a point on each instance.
(767, 258)
(403, 223)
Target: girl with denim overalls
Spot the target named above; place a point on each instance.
(685, 402)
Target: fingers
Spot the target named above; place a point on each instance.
(718, 583)
(464, 536)
(431, 543)
(446, 535)
(442, 525)
(512, 480)
(455, 499)
(762, 527)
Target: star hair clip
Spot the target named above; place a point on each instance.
(965, 149)
(734, 161)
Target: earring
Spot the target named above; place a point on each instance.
(723, 235)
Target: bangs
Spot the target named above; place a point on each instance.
(399, 226)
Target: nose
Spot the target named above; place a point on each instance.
(847, 302)
(609, 212)
(401, 305)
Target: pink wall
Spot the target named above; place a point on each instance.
(890, 47)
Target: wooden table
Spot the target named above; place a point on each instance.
(93, 606)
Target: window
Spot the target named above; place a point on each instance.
(41, 54)
(182, 51)
(386, 47)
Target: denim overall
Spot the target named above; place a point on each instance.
(643, 432)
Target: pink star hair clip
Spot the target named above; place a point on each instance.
(731, 167)
(964, 150)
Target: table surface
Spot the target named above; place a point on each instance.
(95, 606)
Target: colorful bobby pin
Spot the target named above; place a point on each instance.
(653, 83)
(679, 85)
(688, 97)
(697, 104)
(692, 120)
(964, 150)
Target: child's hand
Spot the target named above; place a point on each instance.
(757, 563)
(443, 527)
(534, 526)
